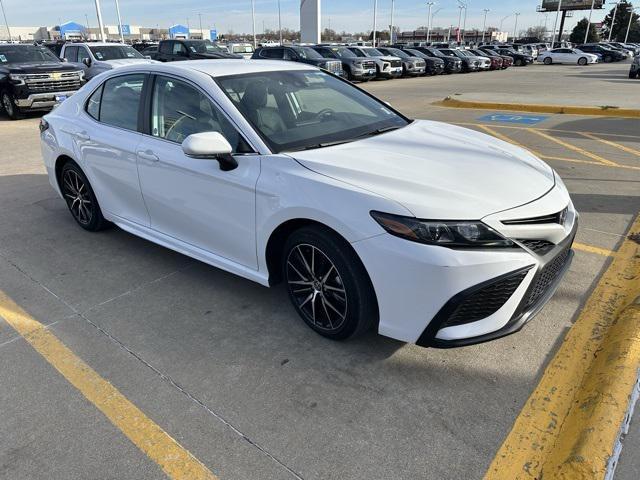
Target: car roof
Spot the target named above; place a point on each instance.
(222, 67)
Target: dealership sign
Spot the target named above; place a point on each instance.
(552, 5)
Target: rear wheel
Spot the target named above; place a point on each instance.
(582, 61)
(607, 59)
(327, 283)
(518, 62)
(548, 61)
(80, 198)
(9, 105)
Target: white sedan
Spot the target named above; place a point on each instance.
(567, 55)
(276, 171)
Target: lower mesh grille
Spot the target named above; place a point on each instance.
(540, 247)
(547, 276)
(487, 300)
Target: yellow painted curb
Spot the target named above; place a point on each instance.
(605, 110)
(571, 423)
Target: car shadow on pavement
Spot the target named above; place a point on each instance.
(614, 204)
(599, 125)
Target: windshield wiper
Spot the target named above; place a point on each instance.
(348, 140)
(325, 144)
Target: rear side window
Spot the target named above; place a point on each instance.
(166, 47)
(93, 104)
(71, 54)
(120, 101)
(272, 53)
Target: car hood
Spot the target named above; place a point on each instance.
(387, 58)
(437, 170)
(43, 67)
(216, 55)
(121, 62)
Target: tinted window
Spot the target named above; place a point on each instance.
(71, 54)
(307, 53)
(114, 52)
(178, 49)
(121, 101)
(93, 104)
(25, 54)
(325, 52)
(166, 47)
(179, 110)
(82, 54)
(272, 53)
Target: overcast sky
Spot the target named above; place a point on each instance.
(235, 15)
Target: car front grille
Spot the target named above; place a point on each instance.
(334, 66)
(421, 64)
(53, 82)
(558, 217)
(369, 65)
(395, 63)
(487, 300)
(547, 276)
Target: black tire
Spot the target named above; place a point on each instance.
(582, 61)
(608, 59)
(548, 61)
(334, 277)
(9, 106)
(518, 62)
(80, 198)
(633, 74)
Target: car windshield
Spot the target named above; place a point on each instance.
(397, 53)
(114, 52)
(435, 52)
(344, 53)
(204, 46)
(303, 109)
(25, 54)
(373, 52)
(307, 53)
(415, 53)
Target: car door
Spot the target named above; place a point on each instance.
(70, 53)
(191, 199)
(179, 52)
(93, 70)
(107, 143)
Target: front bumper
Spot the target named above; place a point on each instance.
(420, 287)
(38, 101)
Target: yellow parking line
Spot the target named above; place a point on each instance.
(586, 153)
(591, 249)
(568, 427)
(174, 459)
(611, 144)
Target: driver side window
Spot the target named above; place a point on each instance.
(82, 54)
(179, 110)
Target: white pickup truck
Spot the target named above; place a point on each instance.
(100, 57)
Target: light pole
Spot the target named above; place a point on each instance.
(429, 18)
(5, 20)
(515, 27)
(375, 21)
(119, 21)
(586, 34)
(630, 9)
(464, 23)
(555, 24)
(100, 24)
(613, 21)
(484, 23)
(502, 20)
(279, 22)
(200, 22)
(253, 22)
(391, 26)
(459, 21)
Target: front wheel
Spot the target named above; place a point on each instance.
(582, 61)
(327, 283)
(9, 105)
(518, 63)
(80, 198)
(633, 74)
(608, 59)
(547, 61)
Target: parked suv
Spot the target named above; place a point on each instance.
(634, 71)
(469, 63)
(387, 66)
(451, 64)
(608, 54)
(179, 49)
(355, 68)
(33, 78)
(100, 57)
(412, 66)
(519, 59)
(299, 54)
(434, 66)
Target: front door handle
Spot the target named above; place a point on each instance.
(83, 136)
(148, 155)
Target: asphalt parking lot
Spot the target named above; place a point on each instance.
(226, 368)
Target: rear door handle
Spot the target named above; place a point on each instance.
(148, 155)
(82, 136)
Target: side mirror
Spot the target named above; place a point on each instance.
(210, 145)
(64, 60)
(148, 57)
(86, 61)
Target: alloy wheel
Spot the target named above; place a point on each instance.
(77, 196)
(7, 104)
(316, 287)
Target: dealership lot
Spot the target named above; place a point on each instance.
(225, 366)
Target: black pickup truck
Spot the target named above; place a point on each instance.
(33, 78)
(178, 49)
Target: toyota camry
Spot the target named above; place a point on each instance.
(280, 172)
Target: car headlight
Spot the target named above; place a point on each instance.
(446, 233)
(16, 79)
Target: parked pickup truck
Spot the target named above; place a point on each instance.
(99, 57)
(177, 50)
(33, 78)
